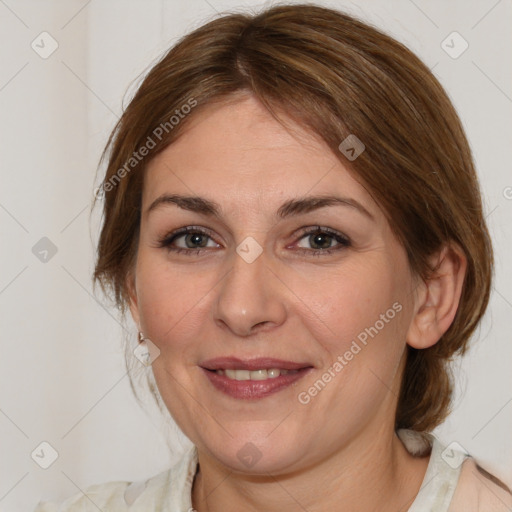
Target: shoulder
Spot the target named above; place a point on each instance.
(480, 491)
(107, 496)
(454, 482)
(168, 490)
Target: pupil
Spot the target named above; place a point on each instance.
(195, 239)
(319, 238)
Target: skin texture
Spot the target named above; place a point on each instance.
(291, 303)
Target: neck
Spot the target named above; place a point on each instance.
(375, 472)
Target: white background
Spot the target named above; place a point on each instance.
(62, 372)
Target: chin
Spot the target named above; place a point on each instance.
(259, 453)
(253, 461)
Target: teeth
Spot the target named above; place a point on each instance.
(254, 375)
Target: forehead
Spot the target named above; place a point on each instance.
(239, 153)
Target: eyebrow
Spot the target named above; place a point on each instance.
(287, 209)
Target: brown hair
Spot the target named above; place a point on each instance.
(337, 76)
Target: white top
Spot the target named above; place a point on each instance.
(453, 483)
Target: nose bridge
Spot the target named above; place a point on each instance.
(248, 295)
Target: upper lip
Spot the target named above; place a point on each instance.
(260, 363)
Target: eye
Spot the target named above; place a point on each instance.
(187, 240)
(315, 241)
(320, 241)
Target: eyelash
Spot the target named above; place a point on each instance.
(342, 240)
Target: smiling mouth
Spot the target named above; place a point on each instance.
(253, 378)
(262, 374)
(255, 369)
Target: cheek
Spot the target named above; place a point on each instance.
(348, 301)
(359, 316)
(170, 300)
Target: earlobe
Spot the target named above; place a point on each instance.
(438, 299)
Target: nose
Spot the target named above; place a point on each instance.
(250, 297)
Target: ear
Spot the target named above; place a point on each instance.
(132, 297)
(438, 297)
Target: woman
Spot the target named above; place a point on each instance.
(293, 219)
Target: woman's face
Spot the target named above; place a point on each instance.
(265, 272)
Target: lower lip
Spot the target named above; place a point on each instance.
(253, 389)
